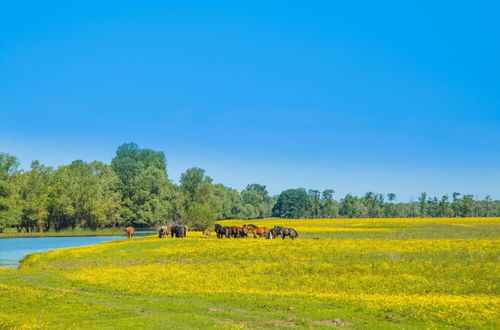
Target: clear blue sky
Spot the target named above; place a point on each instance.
(391, 96)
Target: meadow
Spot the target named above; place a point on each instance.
(353, 273)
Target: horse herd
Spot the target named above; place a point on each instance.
(260, 232)
(225, 231)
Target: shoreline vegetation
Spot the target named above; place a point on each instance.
(12, 233)
(354, 273)
(332, 225)
(135, 190)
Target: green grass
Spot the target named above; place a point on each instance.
(199, 283)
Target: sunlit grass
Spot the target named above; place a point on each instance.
(392, 276)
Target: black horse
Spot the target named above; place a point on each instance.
(178, 231)
(222, 231)
(272, 234)
(290, 232)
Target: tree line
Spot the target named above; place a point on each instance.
(135, 190)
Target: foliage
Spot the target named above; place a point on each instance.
(135, 190)
(9, 210)
(146, 192)
(291, 203)
(83, 195)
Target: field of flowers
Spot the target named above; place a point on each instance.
(354, 273)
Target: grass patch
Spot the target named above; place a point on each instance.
(418, 274)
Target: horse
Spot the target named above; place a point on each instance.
(238, 231)
(244, 231)
(290, 232)
(257, 231)
(222, 231)
(206, 233)
(164, 231)
(129, 231)
(273, 233)
(178, 231)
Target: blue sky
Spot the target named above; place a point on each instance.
(387, 96)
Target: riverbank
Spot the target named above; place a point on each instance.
(12, 233)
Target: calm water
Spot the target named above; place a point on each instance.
(12, 250)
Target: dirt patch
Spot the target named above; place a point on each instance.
(210, 309)
(337, 323)
(285, 324)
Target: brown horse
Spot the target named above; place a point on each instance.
(257, 231)
(129, 231)
(238, 231)
(206, 233)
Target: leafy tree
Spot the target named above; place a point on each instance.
(315, 203)
(456, 204)
(34, 187)
(147, 194)
(200, 203)
(329, 207)
(84, 195)
(258, 200)
(373, 204)
(230, 203)
(422, 199)
(291, 203)
(352, 207)
(9, 211)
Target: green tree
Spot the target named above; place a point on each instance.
(34, 187)
(201, 206)
(9, 209)
(258, 201)
(148, 197)
(329, 207)
(422, 199)
(374, 204)
(352, 207)
(314, 203)
(292, 203)
(456, 204)
(84, 195)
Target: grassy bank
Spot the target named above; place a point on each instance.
(359, 273)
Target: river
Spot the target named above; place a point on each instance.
(12, 250)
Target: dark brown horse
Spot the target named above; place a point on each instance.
(222, 231)
(273, 233)
(290, 232)
(238, 231)
(257, 231)
(129, 231)
(178, 231)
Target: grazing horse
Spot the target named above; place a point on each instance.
(129, 231)
(257, 231)
(239, 231)
(164, 231)
(244, 231)
(273, 233)
(178, 231)
(222, 231)
(292, 233)
(206, 233)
